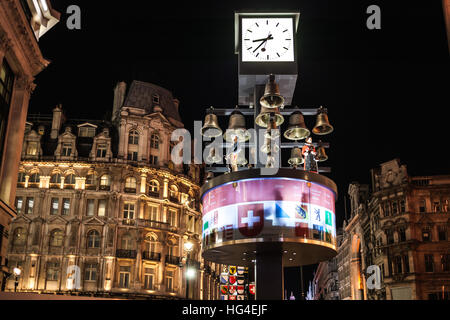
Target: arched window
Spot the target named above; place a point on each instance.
(55, 178)
(70, 179)
(19, 237)
(105, 182)
(130, 184)
(154, 141)
(133, 137)
(34, 178)
(153, 186)
(56, 238)
(93, 239)
(91, 179)
(21, 177)
(151, 241)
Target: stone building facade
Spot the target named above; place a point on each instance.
(326, 281)
(103, 210)
(22, 23)
(402, 227)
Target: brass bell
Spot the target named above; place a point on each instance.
(322, 126)
(211, 127)
(263, 119)
(269, 146)
(297, 129)
(296, 158)
(270, 162)
(321, 155)
(236, 127)
(271, 97)
(212, 157)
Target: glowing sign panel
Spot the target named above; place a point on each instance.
(269, 208)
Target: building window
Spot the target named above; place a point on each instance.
(394, 208)
(19, 237)
(445, 261)
(52, 271)
(442, 233)
(101, 150)
(402, 234)
(32, 148)
(402, 206)
(90, 272)
(387, 209)
(154, 141)
(429, 263)
(398, 264)
(124, 277)
(169, 280)
(56, 178)
(130, 184)
(66, 149)
(153, 186)
(86, 132)
(66, 207)
(426, 234)
(101, 212)
(155, 99)
(128, 210)
(105, 182)
(70, 179)
(56, 238)
(54, 206)
(422, 206)
(153, 213)
(21, 177)
(34, 178)
(93, 238)
(133, 137)
(19, 204)
(91, 179)
(90, 204)
(149, 277)
(132, 156)
(127, 242)
(389, 236)
(436, 206)
(153, 160)
(29, 205)
(406, 263)
(172, 217)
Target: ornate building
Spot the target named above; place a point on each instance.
(22, 23)
(104, 201)
(402, 227)
(326, 281)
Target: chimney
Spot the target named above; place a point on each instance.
(119, 97)
(56, 122)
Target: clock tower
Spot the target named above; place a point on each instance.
(266, 43)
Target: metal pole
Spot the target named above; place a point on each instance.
(301, 280)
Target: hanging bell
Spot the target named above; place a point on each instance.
(211, 127)
(296, 158)
(212, 157)
(321, 155)
(236, 127)
(271, 97)
(269, 146)
(264, 117)
(297, 129)
(209, 175)
(322, 126)
(270, 162)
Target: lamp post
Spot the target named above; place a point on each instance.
(17, 273)
(190, 272)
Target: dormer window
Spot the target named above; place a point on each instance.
(155, 99)
(101, 150)
(66, 149)
(86, 131)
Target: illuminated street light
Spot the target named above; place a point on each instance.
(17, 273)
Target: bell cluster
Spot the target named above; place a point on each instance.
(270, 118)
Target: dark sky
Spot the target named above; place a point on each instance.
(384, 89)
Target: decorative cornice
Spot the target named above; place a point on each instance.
(5, 43)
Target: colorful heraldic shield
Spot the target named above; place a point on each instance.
(266, 207)
(233, 283)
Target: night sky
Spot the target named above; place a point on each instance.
(384, 89)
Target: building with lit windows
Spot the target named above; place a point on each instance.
(22, 23)
(103, 210)
(402, 227)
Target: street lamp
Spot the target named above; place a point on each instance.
(190, 272)
(17, 273)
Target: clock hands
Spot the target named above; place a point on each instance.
(263, 41)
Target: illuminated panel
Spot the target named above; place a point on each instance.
(275, 208)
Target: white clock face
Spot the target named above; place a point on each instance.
(267, 39)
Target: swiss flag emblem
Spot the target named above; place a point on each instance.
(251, 219)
